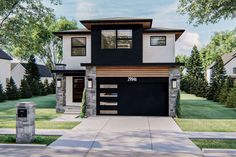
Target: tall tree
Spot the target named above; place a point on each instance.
(210, 11)
(25, 91)
(11, 90)
(2, 94)
(195, 74)
(217, 80)
(32, 72)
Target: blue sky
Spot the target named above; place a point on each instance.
(163, 13)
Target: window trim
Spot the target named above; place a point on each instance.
(117, 39)
(78, 47)
(154, 37)
(234, 70)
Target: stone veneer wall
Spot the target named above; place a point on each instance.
(91, 92)
(60, 91)
(173, 74)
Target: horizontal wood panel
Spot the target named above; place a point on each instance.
(132, 71)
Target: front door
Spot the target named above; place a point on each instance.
(78, 88)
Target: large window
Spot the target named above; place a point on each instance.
(158, 40)
(234, 70)
(116, 39)
(78, 46)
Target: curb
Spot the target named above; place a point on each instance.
(23, 145)
(231, 151)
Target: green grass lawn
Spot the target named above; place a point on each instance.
(199, 114)
(45, 111)
(9, 139)
(221, 144)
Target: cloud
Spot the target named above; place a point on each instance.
(186, 42)
(86, 9)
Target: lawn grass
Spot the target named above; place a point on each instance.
(45, 111)
(220, 144)
(199, 114)
(10, 139)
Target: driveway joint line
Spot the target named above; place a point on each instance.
(150, 133)
(96, 137)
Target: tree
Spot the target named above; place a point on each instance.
(31, 71)
(47, 87)
(43, 90)
(228, 84)
(11, 90)
(211, 11)
(2, 94)
(231, 99)
(221, 43)
(35, 87)
(53, 86)
(25, 91)
(217, 80)
(40, 41)
(195, 74)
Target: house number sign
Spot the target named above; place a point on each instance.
(132, 79)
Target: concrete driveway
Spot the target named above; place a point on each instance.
(109, 136)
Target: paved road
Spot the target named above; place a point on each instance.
(107, 136)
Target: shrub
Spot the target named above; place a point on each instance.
(178, 108)
(11, 90)
(3, 96)
(25, 91)
(43, 90)
(35, 87)
(47, 87)
(53, 87)
(83, 105)
(231, 99)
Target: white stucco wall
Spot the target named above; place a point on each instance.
(50, 79)
(18, 74)
(5, 71)
(73, 62)
(159, 54)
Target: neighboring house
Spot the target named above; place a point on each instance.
(229, 60)
(126, 66)
(18, 72)
(5, 68)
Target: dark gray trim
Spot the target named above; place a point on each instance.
(157, 36)
(142, 64)
(70, 72)
(78, 47)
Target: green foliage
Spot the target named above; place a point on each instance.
(43, 90)
(221, 43)
(2, 94)
(47, 87)
(35, 87)
(194, 82)
(83, 105)
(217, 80)
(178, 108)
(11, 90)
(204, 12)
(225, 90)
(32, 72)
(231, 99)
(53, 87)
(25, 91)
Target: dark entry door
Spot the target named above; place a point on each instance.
(78, 88)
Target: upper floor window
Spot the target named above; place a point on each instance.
(78, 46)
(158, 40)
(234, 70)
(112, 39)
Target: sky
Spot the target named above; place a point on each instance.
(163, 13)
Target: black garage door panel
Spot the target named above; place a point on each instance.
(144, 97)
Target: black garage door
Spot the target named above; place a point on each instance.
(132, 96)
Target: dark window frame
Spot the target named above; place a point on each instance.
(234, 70)
(117, 39)
(155, 37)
(73, 89)
(78, 47)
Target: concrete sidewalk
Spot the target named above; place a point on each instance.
(211, 135)
(45, 132)
(108, 136)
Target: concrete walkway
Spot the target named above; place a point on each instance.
(107, 136)
(67, 118)
(37, 131)
(211, 135)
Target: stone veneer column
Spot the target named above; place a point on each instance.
(91, 92)
(60, 91)
(173, 74)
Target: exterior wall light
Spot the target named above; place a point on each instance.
(90, 83)
(174, 83)
(58, 83)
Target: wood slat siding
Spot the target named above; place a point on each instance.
(132, 71)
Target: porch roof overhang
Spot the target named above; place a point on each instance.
(142, 64)
(70, 72)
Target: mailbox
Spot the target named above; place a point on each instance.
(22, 112)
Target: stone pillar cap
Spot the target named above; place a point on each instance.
(21, 104)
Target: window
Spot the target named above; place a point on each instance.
(158, 41)
(120, 39)
(78, 46)
(234, 70)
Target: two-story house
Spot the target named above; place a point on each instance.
(126, 66)
(5, 68)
